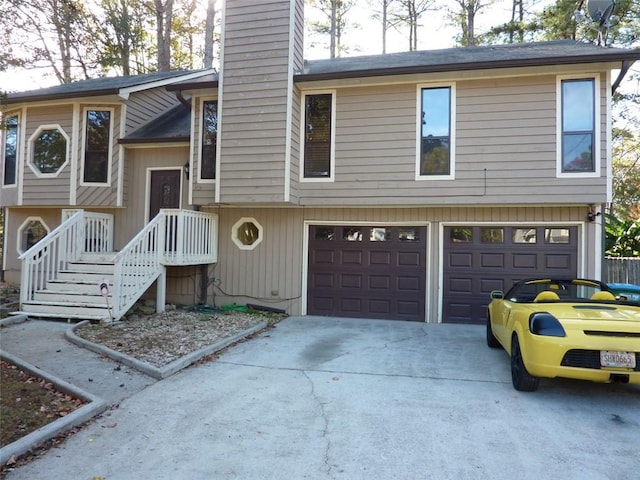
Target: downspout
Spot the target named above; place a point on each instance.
(626, 65)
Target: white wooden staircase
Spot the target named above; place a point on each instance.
(73, 273)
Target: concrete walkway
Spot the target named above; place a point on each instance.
(42, 344)
(326, 398)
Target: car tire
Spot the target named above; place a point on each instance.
(521, 379)
(492, 341)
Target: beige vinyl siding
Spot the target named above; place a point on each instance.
(101, 196)
(255, 89)
(48, 190)
(146, 105)
(505, 148)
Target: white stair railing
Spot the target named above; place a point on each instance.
(51, 255)
(137, 265)
(190, 237)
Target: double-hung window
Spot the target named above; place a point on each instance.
(436, 132)
(10, 150)
(97, 146)
(209, 140)
(318, 136)
(578, 137)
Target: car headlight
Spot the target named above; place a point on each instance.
(544, 323)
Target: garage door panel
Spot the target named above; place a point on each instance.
(323, 257)
(380, 258)
(409, 284)
(525, 260)
(351, 257)
(476, 263)
(460, 285)
(350, 304)
(489, 284)
(411, 259)
(492, 260)
(377, 271)
(379, 307)
(322, 280)
(350, 281)
(322, 304)
(382, 282)
(562, 262)
(457, 259)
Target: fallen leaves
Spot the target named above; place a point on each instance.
(28, 402)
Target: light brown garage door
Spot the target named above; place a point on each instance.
(367, 271)
(480, 259)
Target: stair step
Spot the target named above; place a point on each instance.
(98, 257)
(71, 296)
(80, 287)
(82, 277)
(61, 309)
(65, 316)
(103, 268)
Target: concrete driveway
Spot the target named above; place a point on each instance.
(325, 398)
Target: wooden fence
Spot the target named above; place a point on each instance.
(621, 270)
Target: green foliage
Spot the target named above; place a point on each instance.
(622, 237)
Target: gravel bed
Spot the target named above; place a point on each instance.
(160, 339)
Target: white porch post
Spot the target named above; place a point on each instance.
(161, 290)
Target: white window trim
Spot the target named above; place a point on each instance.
(84, 143)
(597, 126)
(238, 242)
(332, 154)
(34, 169)
(452, 131)
(198, 141)
(22, 227)
(3, 139)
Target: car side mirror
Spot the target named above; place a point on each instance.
(497, 294)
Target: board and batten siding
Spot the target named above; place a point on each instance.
(505, 148)
(147, 105)
(101, 195)
(256, 89)
(272, 274)
(49, 190)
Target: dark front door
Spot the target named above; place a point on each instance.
(479, 259)
(165, 191)
(367, 271)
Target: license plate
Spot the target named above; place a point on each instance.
(617, 359)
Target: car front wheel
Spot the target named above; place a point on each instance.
(521, 379)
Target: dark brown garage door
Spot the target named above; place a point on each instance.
(480, 259)
(367, 271)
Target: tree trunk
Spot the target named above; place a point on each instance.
(164, 15)
(208, 33)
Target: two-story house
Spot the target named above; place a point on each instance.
(402, 186)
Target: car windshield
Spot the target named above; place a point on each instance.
(566, 290)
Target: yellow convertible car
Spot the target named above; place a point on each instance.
(571, 328)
